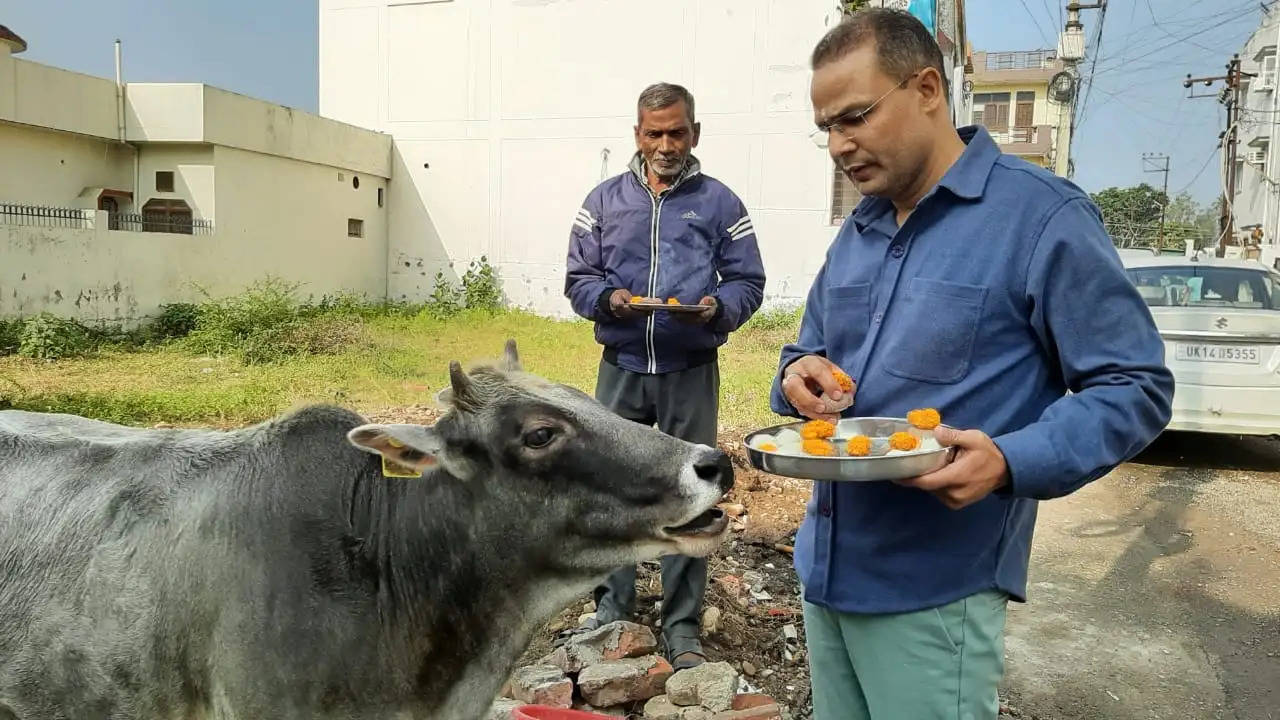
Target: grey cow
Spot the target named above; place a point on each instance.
(285, 570)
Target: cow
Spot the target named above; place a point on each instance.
(317, 565)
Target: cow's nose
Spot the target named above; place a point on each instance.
(716, 468)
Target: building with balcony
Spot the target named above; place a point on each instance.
(1255, 202)
(1010, 93)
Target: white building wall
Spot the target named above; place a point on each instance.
(44, 167)
(506, 113)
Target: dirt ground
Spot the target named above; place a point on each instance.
(1154, 592)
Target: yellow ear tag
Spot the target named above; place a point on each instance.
(394, 443)
(394, 469)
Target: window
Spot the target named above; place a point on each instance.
(991, 110)
(355, 183)
(166, 216)
(1267, 73)
(1239, 175)
(379, 197)
(1186, 286)
(164, 181)
(355, 227)
(844, 197)
(1025, 112)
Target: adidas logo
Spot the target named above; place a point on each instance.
(691, 215)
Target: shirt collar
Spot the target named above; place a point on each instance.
(966, 179)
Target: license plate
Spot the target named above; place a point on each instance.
(1240, 354)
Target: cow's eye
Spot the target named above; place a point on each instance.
(539, 438)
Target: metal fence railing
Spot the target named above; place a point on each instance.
(148, 222)
(45, 216)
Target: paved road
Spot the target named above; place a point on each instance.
(1155, 592)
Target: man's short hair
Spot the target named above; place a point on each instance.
(903, 44)
(664, 95)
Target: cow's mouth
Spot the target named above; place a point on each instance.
(709, 523)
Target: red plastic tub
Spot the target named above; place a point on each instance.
(545, 712)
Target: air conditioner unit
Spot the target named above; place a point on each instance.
(1256, 157)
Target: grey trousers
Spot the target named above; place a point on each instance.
(684, 404)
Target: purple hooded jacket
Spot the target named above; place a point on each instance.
(694, 239)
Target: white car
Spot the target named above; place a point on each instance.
(1220, 320)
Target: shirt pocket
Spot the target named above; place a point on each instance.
(845, 321)
(933, 334)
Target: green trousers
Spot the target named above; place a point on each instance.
(939, 664)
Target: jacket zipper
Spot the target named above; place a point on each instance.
(650, 324)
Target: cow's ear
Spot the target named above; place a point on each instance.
(408, 448)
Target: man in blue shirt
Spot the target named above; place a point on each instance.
(975, 283)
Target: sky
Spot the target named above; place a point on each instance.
(268, 49)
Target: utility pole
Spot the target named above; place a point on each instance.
(1071, 52)
(1230, 96)
(1159, 162)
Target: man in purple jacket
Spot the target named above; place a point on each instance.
(662, 230)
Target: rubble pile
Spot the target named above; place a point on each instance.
(615, 670)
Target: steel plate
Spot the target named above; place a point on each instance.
(843, 468)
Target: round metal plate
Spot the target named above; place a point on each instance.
(843, 468)
(651, 307)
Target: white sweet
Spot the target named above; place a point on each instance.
(786, 436)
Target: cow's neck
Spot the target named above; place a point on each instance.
(466, 576)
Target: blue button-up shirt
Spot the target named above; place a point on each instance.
(1001, 302)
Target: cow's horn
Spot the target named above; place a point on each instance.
(461, 386)
(512, 357)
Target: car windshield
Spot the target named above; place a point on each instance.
(1207, 286)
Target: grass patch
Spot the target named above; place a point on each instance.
(399, 358)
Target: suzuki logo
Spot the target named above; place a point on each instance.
(1221, 323)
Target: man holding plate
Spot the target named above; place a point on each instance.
(683, 240)
(980, 285)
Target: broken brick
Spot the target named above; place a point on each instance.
(542, 685)
(763, 712)
(746, 701)
(615, 682)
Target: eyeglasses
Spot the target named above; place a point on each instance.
(851, 121)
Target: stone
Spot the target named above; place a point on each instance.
(711, 620)
(542, 685)
(790, 633)
(748, 669)
(590, 607)
(711, 685)
(614, 641)
(501, 709)
(619, 711)
(615, 682)
(762, 712)
(661, 708)
(696, 713)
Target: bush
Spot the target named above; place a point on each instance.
(266, 323)
(10, 336)
(481, 288)
(49, 337)
(253, 324)
(176, 320)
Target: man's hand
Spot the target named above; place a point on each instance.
(703, 317)
(620, 305)
(978, 469)
(806, 380)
